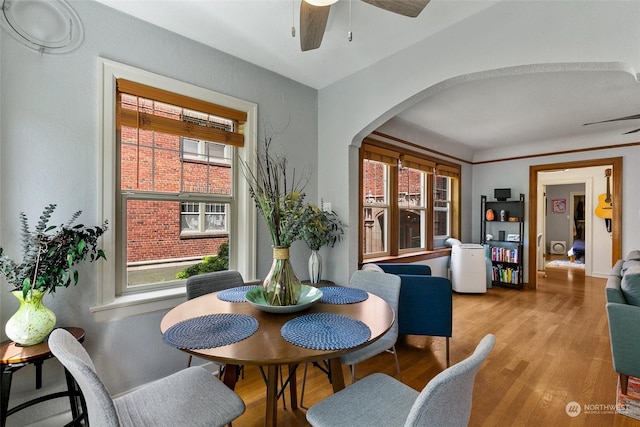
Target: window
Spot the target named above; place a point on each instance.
(375, 207)
(171, 186)
(198, 150)
(411, 203)
(442, 207)
(158, 167)
(402, 192)
(198, 218)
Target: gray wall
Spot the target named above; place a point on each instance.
(50, 154)
(558, 224)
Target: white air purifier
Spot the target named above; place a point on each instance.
(558, 247)
(468, 268)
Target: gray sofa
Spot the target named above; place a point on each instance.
(623, 313)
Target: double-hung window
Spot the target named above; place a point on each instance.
(172, 148)
(171, 184)
(376, 167)
(408, 201)
(441, 207)
(413, 215)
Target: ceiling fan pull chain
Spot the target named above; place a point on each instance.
(293, 18)
(350, 34)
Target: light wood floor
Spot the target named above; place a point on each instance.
(552, 348)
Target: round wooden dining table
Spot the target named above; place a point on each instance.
(266, 347)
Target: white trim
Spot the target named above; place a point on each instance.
(110, 305)
(134, 304)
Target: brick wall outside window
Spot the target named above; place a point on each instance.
(153, 227)
(153, 233)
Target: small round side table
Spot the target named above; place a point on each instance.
(14, 357)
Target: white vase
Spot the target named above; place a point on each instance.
(315, 267)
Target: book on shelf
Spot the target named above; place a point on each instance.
(505, 274)
(504, 254)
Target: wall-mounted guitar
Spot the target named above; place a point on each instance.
(605, 205)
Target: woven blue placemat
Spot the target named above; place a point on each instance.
(213, 330)
(235, 294)
(325, 331)
(342, 295)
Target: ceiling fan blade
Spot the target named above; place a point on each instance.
(634, 117)
(313, 21)
(410, 8)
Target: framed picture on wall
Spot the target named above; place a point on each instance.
(559, 205)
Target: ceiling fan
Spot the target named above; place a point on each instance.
(619, 119)
(315, 13)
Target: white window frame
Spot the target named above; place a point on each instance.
(440, 238)
(111, 304)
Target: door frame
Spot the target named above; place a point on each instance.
(616, 189)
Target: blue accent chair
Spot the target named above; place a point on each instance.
(426, 302)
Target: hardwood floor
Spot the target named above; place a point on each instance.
(552, 348)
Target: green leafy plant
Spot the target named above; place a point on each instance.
(278, 195)
(49, 253)
(322, 228)
(209, 264)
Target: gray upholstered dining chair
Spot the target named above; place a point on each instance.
(387, 287)
(192, 397)
(381, 400)
(206, 283)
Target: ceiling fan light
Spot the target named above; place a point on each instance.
(321, 2)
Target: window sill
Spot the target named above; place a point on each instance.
(211, 235)
(142, 303)
(411, 257)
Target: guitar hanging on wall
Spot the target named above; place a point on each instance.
(605, 205)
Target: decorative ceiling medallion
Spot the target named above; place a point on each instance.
(48, 26)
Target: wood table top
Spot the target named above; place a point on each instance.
(267, 346)
(12, 353)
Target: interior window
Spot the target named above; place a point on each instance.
(402, 193)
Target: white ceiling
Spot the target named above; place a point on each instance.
(491, 110)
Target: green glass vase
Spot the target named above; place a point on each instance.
(32, 322)
(281, 286)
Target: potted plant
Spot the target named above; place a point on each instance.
(49, 255)
(280, 201)
(324, 228)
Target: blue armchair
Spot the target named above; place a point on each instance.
(426, 302)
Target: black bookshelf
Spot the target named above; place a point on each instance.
(502, 230)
